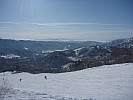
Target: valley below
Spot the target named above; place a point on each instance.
(58, 56)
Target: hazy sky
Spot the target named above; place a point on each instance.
(100, 20)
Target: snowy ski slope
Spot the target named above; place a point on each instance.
(108, 82)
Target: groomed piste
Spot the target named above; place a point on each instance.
(108, 82)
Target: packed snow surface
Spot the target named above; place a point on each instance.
(108, 82)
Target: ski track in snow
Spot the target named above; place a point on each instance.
(108, 82)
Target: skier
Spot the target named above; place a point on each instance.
(20, 79)
(45, 77)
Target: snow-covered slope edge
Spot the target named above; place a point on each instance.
(109, 82)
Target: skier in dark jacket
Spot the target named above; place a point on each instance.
(45, 77)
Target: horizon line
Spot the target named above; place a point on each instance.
(61, 40)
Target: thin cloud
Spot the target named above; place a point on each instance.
(68, 24)
(79, 31)
(4, 27)
(64, 24)
(9, 23)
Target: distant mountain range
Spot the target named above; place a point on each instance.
(55, 56)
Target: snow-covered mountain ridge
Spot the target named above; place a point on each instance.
(55, 57)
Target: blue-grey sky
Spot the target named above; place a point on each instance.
(99, 20)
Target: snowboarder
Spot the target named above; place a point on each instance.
(20, 79)
(45, 77)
